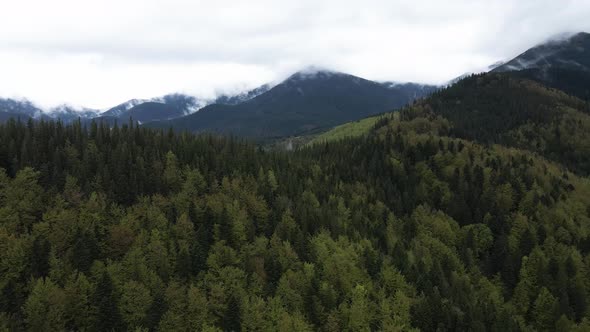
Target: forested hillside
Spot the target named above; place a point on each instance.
(563, 64)
(509, 110)
(500, 108)
(403, 229)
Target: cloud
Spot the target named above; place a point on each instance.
(99, 53)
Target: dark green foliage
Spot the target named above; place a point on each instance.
(40, 257)
(503, 109)
(410, 227)
(231, 321)
(573, 81)
(108, 317)
(85, 251)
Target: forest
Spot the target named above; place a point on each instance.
(431, 222)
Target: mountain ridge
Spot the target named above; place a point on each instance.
(561, 64)
(314, 99)
(304, 101)
(567, 52)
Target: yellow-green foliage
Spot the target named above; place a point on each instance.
(350, 129)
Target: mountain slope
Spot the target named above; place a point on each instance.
(499, 108)
(69, 114)
(570, 53)
(242, 97)
(574, 82)
(163, 108)
(17, 108)
(152, 111)
(563, 65)
(304, 102)
(122, 108)
(24, 109)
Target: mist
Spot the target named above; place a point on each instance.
(102, 53)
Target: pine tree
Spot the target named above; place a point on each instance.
(544, 310)
(232, 317)
(108, 316)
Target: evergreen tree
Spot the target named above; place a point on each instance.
(108, 316)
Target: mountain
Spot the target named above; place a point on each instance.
(172, 106)
(242, 97)
(499, 108)
(24, 109)
(18, 108)
(68, 113)
(169, 107)
(183, 104)
(562, 64)
(304, 102)
(122, 108)
(308, 100)
(152, 111)
(163, 108)
(143, 110)
(571, 52)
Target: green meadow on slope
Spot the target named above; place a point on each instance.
(349, 130)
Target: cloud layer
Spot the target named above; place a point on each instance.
(100, 53)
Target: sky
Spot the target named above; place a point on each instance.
(101, 53)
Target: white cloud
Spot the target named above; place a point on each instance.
(99, 53)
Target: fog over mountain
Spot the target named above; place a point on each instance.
(133, 49)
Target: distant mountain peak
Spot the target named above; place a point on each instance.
(315, 72)
(67, 109)
(310, 100)
(123, 107)
(20, 106)
(496, 65)
(562, 62)
(313, 69)
(565, 50)
(570, 37)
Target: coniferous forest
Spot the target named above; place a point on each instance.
(430, 222)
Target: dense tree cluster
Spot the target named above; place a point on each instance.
(572, 81)
(504, 109)
(407, 229)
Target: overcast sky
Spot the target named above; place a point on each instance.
(101, 53)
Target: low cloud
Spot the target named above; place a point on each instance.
(101, 53)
